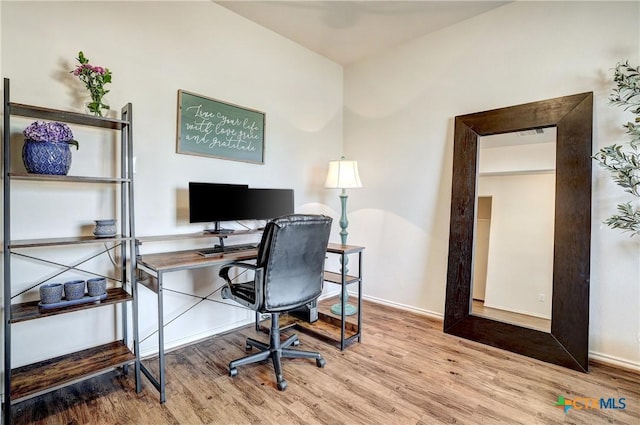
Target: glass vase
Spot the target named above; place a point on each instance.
(98, 107)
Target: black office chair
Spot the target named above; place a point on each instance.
(288, 274)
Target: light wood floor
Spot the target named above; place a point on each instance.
(405, 371)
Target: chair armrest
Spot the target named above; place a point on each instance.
(249, 294)
(224, 270)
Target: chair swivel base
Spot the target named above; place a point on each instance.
(275, 350)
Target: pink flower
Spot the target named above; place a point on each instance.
(94, 78)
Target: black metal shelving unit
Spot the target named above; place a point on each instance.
(28, 381)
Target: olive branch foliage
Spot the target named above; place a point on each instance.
(623, 161)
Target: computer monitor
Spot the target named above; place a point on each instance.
(265, 204)
(216, 202)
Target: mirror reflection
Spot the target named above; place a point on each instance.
(515, 210)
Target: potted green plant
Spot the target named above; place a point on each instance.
(46, 148)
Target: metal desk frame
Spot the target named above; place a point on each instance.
(152, 267)
(344, 281)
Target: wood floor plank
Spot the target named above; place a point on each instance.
(406, 371)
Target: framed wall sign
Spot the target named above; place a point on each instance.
(209, 127)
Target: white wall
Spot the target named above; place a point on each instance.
(399, 111)
(517, 172)
(520, 258)
(154, 49)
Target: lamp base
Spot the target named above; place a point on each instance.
(349, 310)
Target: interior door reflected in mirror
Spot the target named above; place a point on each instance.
(512, 280)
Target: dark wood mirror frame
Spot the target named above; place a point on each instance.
(568, 342)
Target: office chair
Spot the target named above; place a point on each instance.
(288, 274)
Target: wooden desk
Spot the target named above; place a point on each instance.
(152, 267)
(189, 259)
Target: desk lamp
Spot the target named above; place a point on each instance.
(343, 175)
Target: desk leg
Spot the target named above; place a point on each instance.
(360, 296)
(161, 341)
(343, 299)
(159, 383)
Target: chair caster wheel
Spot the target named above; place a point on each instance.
(247, 347)
(233, 372)
(296, 343)
(321, 362)
(282, 385)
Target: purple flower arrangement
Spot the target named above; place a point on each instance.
(43, 131)
(46, 148)
(94, 78)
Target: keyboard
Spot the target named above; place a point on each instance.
(218, 250)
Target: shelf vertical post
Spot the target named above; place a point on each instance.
(6, 137)
(128, 195)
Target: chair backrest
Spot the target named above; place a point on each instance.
(292, 253)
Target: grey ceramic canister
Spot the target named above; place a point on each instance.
(74, 290)
(96, 286)
(51, 293)
(105, 228)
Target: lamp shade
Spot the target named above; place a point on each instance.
(343, 175)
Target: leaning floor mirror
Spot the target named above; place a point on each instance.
(520, 235)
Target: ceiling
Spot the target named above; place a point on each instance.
(349, 31)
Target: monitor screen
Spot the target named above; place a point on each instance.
(215, 202)
(210, 202)
(265, 204)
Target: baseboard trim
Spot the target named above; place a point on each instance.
(613, 361)
(422, 312)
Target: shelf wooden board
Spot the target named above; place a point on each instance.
(325, 315)
(350, 327)
(327, 326)
(60, 371)
(184, 260)
(324, 330)
(337, 278)
(180, 236)
(75, 240)
(336, 248)
(30, 310)
(77, 179)
(65, 116)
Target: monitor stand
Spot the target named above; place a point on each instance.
(217, 229)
